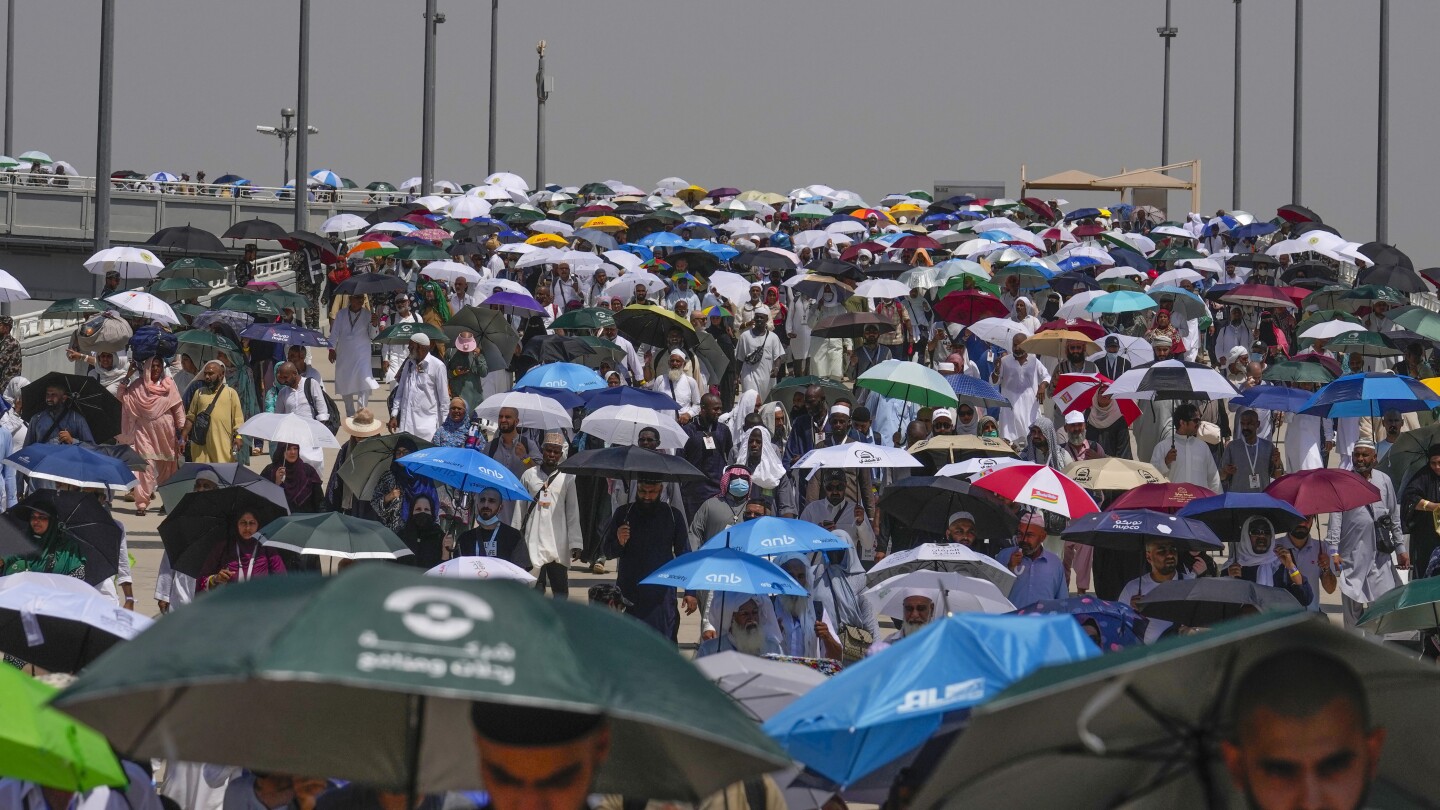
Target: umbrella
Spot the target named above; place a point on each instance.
(202, 521)
(249, 303)
(950, 591)
(569, 376)
(331, 534)
(621, 424)
(1113, 473)
(1371, 394)
(1076, 392)
(371, 458)
(1141, 727)
(1227, 512)
(311, 243)
(66, 307)
(86, 522)
(1417, 319)
(187, 238)
(887, 705)
(370, 283)
(1271, 398)
(481, 568)
(651, 325)
(761, 687)
(86, 396)
(1207, 601)
(231, 475)
(999, 332)
(908, 381)
(343, 223)
(172, 290)
(1258, 295)
(833, 389)
(851, 325)
(725, 569)
(73, 464)
(1135, 349)
(1119, 625)
(556, 349)
(1413, 606)
(1314, 492)
(1365, 343)
(465, 470)
(1039, 486)
(41, 745)
(587, 318)
(1297, 371)
(254, 229)
(1129, 529)
(926, 503)
(534, 410)
(1120, 301)
(941, 449)
(1171, 497)
(129, 262)
(772, 536)
(334, 643)
(955, 558)
(976, 391)
(968, 306)
(971, 467)
(855, 455)
(1172, 379)
(497, 338)
(400, 333)
(1056, 342)
(288, 428)
(628, 461)
(60, 623)
(286, 333)
(627, 395)
(1091, 330)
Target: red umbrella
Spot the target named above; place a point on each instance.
(1038, 486)
(418, 219)
(1317, 491)
(1040, 207)
(1089, 329)
(915, 241)
(1087, 229)
(1076, 392)
(1296, 294)
(969, 306)
(1258, 295)
(849, 254)
(1160, 497)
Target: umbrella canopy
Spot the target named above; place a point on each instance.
(286, 333)
(1272, 398)
(534, 410)
(73, 464)
(627, 461)
(1227, 512)
(1297, 371)
(926, 503)
(851, 325)
(1113, 473)
(1120, 301)
(369, 284)
(371, 458)
(1169, 497)
(1172, 379)
(942, 449)
(203, 520)
(621, 424)
(772, 536)
(1129, 529)
(968, 306)
(855, 455)
(497, 338)
(250, 303)
(465, 470)
(331, 644)
(186, 238)
(1315, 492)
(879, 709)
(41, 745)
(1208, 601)
(950, 591)
(254, 229)
(85, 395)
(1076, 392)
(60, 623)
(626, 395)
(725, 569)
(569, 376)
(331, 534)
(288, 428)
(231, 475)
(1039, 486)
(1413, 606)
(976, 391)
(1371, 394)
(908, 381)
(651, 325)
(129, 262)
(587, 318)
(1056, 342)
(954, 558)
(481, 568)
(67, 307)
(761, 687)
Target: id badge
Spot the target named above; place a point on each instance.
(709, 442)
(546, 500)
(1254, 481)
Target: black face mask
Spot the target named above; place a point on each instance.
(422, 520)
(1299, 532)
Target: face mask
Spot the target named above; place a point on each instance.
(491, 521)
(1255, 357)
(1112, 352)
(423, 519)
(991, 434)
(739, 487)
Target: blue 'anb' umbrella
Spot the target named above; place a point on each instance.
(661, 240)
(1225, 514)
(725, 569)
(888, 704)
(570, 376)
(73, 464)
(1371, 394)
(769, 536)
(466, 470)
(626, 395)
(977, 390)
(287, 333)
(567, 399)
(1271, 398)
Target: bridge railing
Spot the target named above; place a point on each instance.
(224, 191)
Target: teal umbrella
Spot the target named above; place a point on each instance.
(331, 534)
(176, 289)
(250, 303)
(1414, 606)
(194, 267)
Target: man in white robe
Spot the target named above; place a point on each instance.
(1364, 573)
(1022, 380)
(351, 336)
(1186, 457)
(758, 349)
(422, 395)
(679, 386)
(550, 523)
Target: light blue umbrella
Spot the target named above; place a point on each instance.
(725, 569)
(1271, 398)
(889, 704)
(1371, 394)
(1120, 301)
(325, 177)
(662, 239)
(1187, 303)
(73, 464)
(722, 252)
(769, 536)
(570, 376)
(466, 470)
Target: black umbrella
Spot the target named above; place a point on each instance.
(498, 339)
(86, 522)
(630, 462)
(763, 259)
(1297, 213)
(14, 541)
(1381, 253)
(187, 238)
(1396, 276)
(124, 452)
(1309, 271)
(887, 269)
(390, 213)
(460, 249)
(1207, 601)
(62, 634)
(553, 349)
(256, 228)
(926, 502)
(98, 407)
(303, 240)
(836, 269)
(696, 261)
(651, 325)
(370, 283)
(694, 230)
(203, 520)
(479, 230)
(851, 325)
(1255, 260)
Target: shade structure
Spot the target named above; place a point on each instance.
(725, 569)
(851, 325)
(145, 304)
(1120, 301)
(1227, 512)
(1130, 529)
(1055, 342)
(1371, 394)
(100, 409)
(999, 332)
(129, 262)
(233, 474)
(202, 521)
(908, 381)
(857, 456)
(74, 465)
(1170, 497)
(334, 643)
(1040, 487)
(1315, 492)
(626, 395)
(1172, 379)
(772, 536)
(331, 534)
(570, 376)
(1077, 392)
(976, 391)
(950, 591)
(969, 306)
(629, 462)
(1413, 606)
(60, 623)
(534, 411)
(465, 470)
(1272, 398)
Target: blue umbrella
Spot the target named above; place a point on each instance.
(568, 400)
(1120, 301)
(1128, 529)
(1253, 230)
(1129, 258)
(570, 376)
(1077, 262)
(327, 177)
(466, 470)
(287, 333)
(1271, 398)
(661, 240)
(769, 536)
(722, 252)
(977, 389)
(599, 239)
(509, 237)
(644, 252)
(1119, 625)
(626, 395)
(889, 704)
(1068, 284)
(725, 569)
(73, 464)
(1189, 304)
(1082, 213)
(1226, 513)
(1370, 394)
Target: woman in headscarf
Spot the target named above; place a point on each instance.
(240, 378)
(761, 457)
(397, 489)
(304, 491)
(1105, 425)
(422, 534)
(836, 580)
(989, 427)
(434, 309)
(456, 428)
(241, 557)
(57, 552)
(152, 416)
(1258, 559)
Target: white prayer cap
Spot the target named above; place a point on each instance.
(420, 339)
(677, 353)
(945, 368)
(1074, 418)
(840, 407)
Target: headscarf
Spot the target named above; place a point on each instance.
(770, 471)
(57, 554)
(1047, 429)
(728, 603)
(301, 479)
(986, 423)
(1265, 563)
(452, 433)
(744, 406)
(768, 416)
(442, 302)
(411, 486)
(1103, 417)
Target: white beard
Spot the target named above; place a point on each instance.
(794, 605)
(911, 628)
(750, 642)
(675, 374)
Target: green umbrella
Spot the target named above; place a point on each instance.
(1417, 319)
(1415, 606)
(193, 267)
(1297, 371)
(370, 459)
(1175, 253)
(1141, 727)
(203, 345)
(189, 311)
(401, 332)
(908, 381)
(41, 745)
(331, 534)
(176, 289)
(380, 185)
(372, 676)
(76, 306)
(1368, 295)
(248, 302)
(1117, 284)
(346, 182)
(491, 329)
(422, 253)
(1326, 297)
(602, 351)
(284, 298)
(1368, 344)
(788, 387)
(1408, 455)
(1327, 315)
(587, 318)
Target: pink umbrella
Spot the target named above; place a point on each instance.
(429, 234)
(1039, 486)
(1314, 492)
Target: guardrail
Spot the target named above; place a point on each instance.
(320, 195)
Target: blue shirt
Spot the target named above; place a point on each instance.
(43, 428)
(1043, 578)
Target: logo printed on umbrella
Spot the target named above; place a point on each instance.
(866, 457)
(1163, 529)
(778, 542)
(921, 700)
(436, 619)
(723, 579)
(1037, 494)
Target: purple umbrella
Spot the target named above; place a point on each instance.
(513, 301)
(287, 333)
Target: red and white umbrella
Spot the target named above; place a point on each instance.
(1041, 487)
(1076, 392)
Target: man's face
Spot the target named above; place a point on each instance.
(710, 407)
(1260, 539)
(210, 374)
(840, 423)
(862, 426)
(1075, 351)
(747, 616)
(677, 363)
(55, 396)
(487, 504)
(508, 419)
(357, 303)
(1162, 352)
(1187, 427)
(550, 454)
(1235, 316)
(919, 610)
(872, 335)
(1162, 557)
(296, 355)
(1356, 363)
(541, 777)
(1031, 539)
(754, 511)
(1037, 437)
(204, 485)
(835, 490)
(1076, 432)
(961, 531)
(942, 425)
(1326, 760)
(1020, 354)
(1393, 426)
(1364, 459)
(761, 323)
(648, 440)
(286, 377)
(1249, 425)
(648, 492)
(814, 399)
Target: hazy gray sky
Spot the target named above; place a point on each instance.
(876, 97)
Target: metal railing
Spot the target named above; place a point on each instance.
(320, 195)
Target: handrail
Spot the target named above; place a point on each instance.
(320, 195)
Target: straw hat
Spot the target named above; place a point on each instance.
(363, 424)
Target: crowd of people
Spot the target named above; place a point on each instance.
(749, 335)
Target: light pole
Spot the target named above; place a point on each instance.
(433, 19)
(9, 76)
(302, 121)
(1235, 148)
(1382, 152)
(1166, 33)
(543, 86)
(1295, 123)
(494, 43)
(102, 134)
(285, 132)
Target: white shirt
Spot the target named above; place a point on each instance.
(1193, 462)
(422, 397)
(685, 391)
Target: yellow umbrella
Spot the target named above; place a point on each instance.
(547, 240)
(691, 194)
(1433, 383)
(906, 209)
(606, 223)
(1052, 342)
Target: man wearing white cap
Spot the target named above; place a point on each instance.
(1039, 574)
(758, 350)
(421, 395)
(679, 386)
(1079, 447)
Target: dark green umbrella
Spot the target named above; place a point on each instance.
(1409, 455)
(194, 267)
(380, 185)
(331, 534)
(204, 337)
(491, 329)
(189, 311)
(284, 298)
(77, 306)
(1326, 297)
(421, 253)
(1293, 371)
(401, 333)
(176, 289)
(1415, 606)
(1175, 253)
(1369, 295)
(1417, 319)
(786, 388)
(602, 351)
(1362, 342)
(370, 459)
(372, 676)
(251, 303)
(1142, 727)
(1325, 316)
(587, 318)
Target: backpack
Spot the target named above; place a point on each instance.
(332, 419)
(152, 341)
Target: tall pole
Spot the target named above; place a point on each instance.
(1382, 155)
(1235, 149)
(541, 94)
(102, 134)
(286, 133)
(1295, 129)
(302, 123)
(1167, 33)
(427, 124)
(494, 60)
(9, 77)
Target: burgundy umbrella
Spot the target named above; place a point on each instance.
(968, 306)
(1089, 329)
(1087, 229)
(1258, 295)
(1160, 497)
(1297, 213)
(1040, 207)
(1317, 491)
(849, 254)
(916, 241)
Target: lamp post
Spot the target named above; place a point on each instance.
(494, 44)
(1235, 137)
(1295, 123)
(543, 86)
(433, 20)
(285, 132)
(103, 118)
(1382, 152)
(9, 76)
(302, 121)
(1166, 33)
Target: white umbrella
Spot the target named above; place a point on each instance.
(469, 208)
(624, 287)
(162, 177)
(623, 259)
(509, 180)
(881, 288)
(63, 167)
(745, 227)
(976, 246)
(760, 686)
(481, 568)
(11, 289)
(145, 304)
(1213, 263)
(343, 223)
(976, 466)
(412, 183)
(434, 203)
(129, 262)
(731, 285)
(856, 455)
(959, 558)
(581, 258)
(535, 411)
(1075, 307)
(541, 256)
(1135, 349)
(517, 248)
(69, 611)
(1172, 379)
(288, 428)
(818, 239)
(999, 332)
(448, 271)
(621, 424)
(489, 286)
(1329, 330)
(553, 226)
(951, 592)
(392, 227)
(1119, 271)
(1176, 276)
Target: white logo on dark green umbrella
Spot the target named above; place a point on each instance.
(436, 617)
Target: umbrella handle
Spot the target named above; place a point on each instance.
(1094, 708)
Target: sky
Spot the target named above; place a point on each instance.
(874, 97)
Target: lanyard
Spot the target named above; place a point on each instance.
(247, 572)
(1252, 458)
